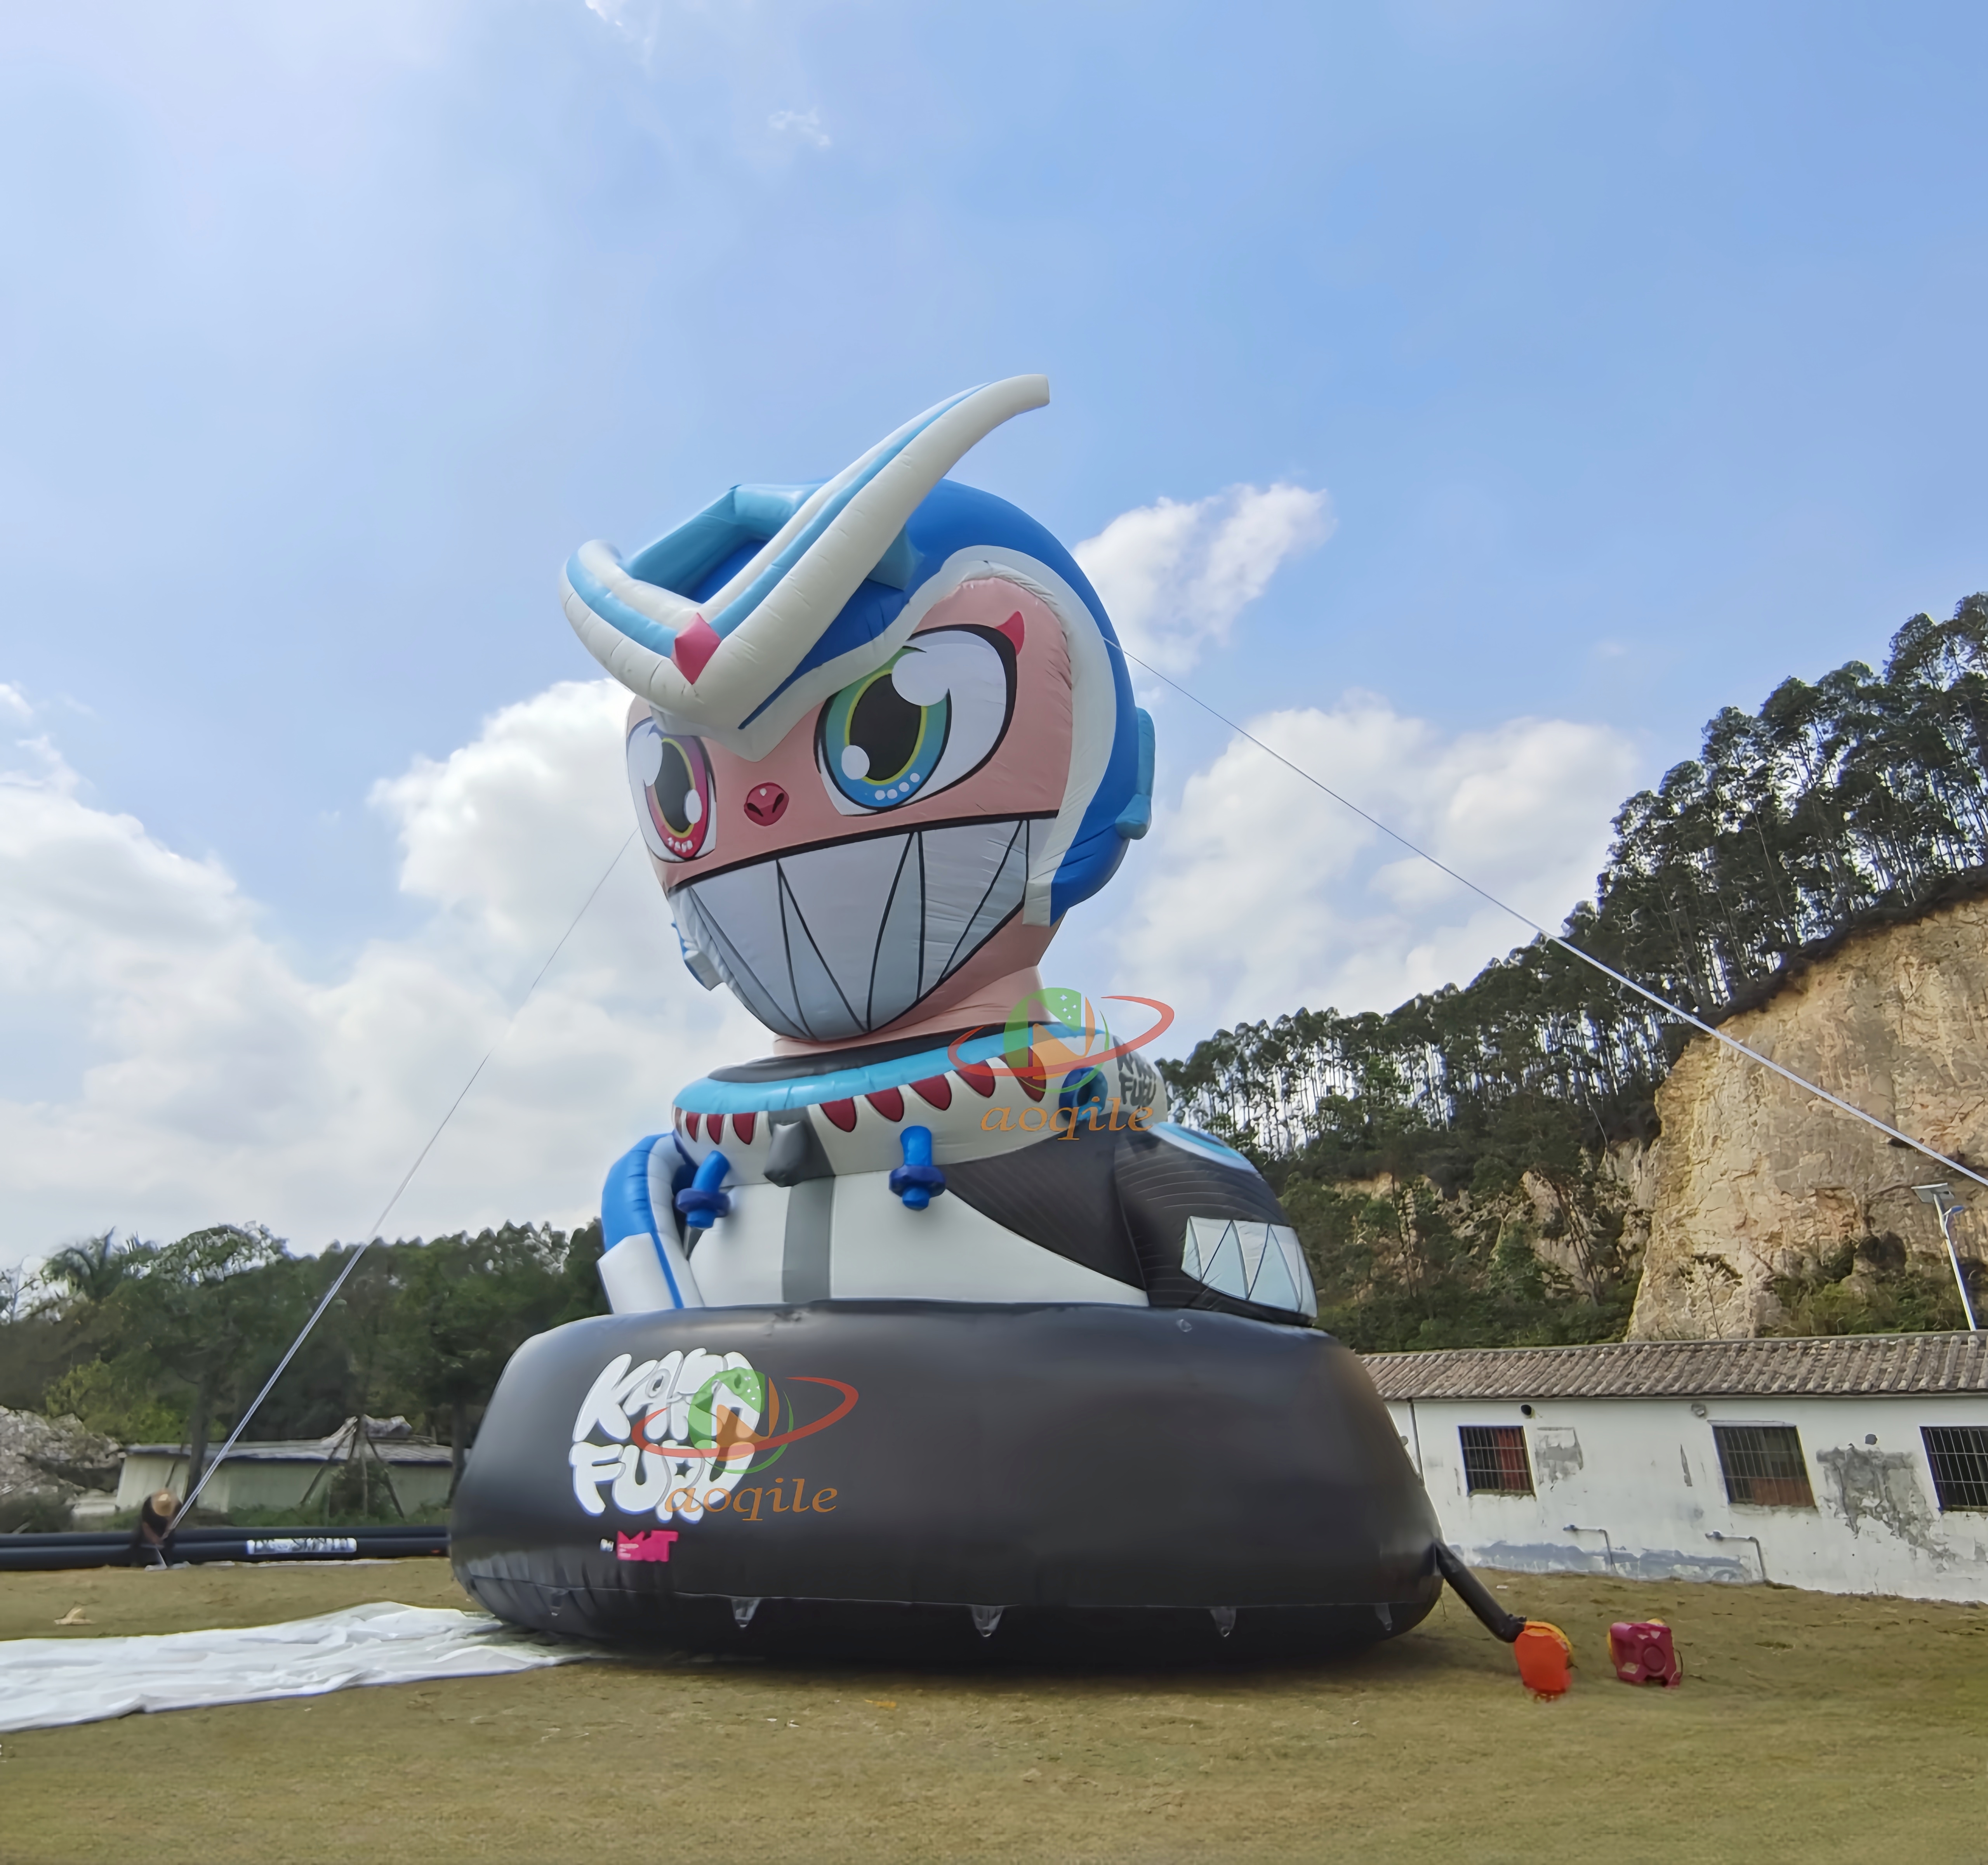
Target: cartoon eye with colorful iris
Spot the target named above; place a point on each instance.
(931, 715)
(671, 777)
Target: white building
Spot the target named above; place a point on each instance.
(279, 1473)
(1856, 1464)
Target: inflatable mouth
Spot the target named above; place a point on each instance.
(828, 943)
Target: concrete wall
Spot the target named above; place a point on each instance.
(269, 1483)
(1647, 1471)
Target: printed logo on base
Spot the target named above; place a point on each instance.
(675, 1437)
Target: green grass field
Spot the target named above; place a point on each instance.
(1809, 1727)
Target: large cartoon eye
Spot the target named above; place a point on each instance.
(931, 715)
(671, 777)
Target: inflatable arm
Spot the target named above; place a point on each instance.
(643, 1266)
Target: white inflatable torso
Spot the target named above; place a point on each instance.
(1033, 1208)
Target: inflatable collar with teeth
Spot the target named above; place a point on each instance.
(932, 1324)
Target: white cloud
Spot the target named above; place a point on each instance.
(1175, 577)
(638, 21)
(163, 1064)
(1259, 894)
(509, 832)
(806, 124)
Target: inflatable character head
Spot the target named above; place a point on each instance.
(882, 740)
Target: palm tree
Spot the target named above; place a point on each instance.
(92, 1269)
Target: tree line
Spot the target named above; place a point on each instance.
(1859, 798)
(1417, 1148)
(168, 1343)
(1445, 1161)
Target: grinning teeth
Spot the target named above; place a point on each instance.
(835, 942)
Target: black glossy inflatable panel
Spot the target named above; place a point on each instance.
(1087, 1469)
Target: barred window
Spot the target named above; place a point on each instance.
(1494, 1459)
(1763, 1464)
(1958, 1455)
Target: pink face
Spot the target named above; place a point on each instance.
(871, 865)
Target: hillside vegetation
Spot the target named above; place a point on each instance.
(170, 1341)
(1462, 1168)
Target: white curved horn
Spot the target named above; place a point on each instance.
(839, 532)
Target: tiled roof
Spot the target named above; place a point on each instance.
(303, 1450)
(1690, 1369)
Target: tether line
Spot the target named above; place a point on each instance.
(1553, 938)
(406, 1178)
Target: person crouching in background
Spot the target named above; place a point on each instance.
(152, 1538)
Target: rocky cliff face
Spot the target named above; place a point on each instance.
(45, 1464)
(1754, 1182)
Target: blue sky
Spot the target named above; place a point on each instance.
(1635, 353)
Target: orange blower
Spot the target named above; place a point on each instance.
(1545, 1657)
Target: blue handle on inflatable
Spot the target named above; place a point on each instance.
(918, 1181)
(701, 1200)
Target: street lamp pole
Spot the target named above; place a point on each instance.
(1941, 1199)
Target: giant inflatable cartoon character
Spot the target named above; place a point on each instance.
(1037, 1338)
(881, 746)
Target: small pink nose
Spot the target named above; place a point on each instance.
(765, 804)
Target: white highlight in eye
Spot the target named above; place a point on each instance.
(855, 763)
(923, 678)
(693, 808)
(974, 680)
(645, 755)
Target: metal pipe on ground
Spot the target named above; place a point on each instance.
(79, 1538)
(49, 1553)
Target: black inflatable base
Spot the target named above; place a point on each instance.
(883, 1632)
(956, 1484)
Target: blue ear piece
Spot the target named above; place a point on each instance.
(1137, 817)
(918, 1181)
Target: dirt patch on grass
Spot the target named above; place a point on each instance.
(1809, 1727)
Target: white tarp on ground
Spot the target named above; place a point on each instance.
(46, 1683)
